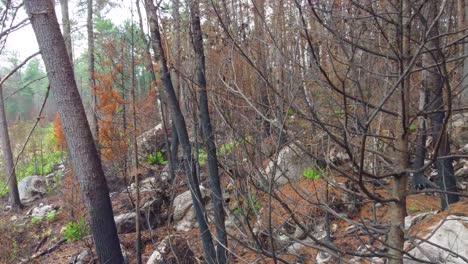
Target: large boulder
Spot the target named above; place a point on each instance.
(152, 141)
(451, 233)
(289, 166)
(184, 214)
(31, 188)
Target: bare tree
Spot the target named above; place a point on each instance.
(208, 135)
(179, 120)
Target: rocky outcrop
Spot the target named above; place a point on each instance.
(289, 166)
(31, 188)
(152, 141)
(184, 213)
(451, 233)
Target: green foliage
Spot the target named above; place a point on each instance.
(3, 189)
(230, 146)
(156, 158)
(51, 216)
(202, 157)
(313, 172)
(75, 231)
(41, 162)
(412, 128)
(251, 206)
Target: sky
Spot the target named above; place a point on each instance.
(23, 41)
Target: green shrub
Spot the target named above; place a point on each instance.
(156, 158)
(202, 157)
(75, 231)
(3, 189)
(313, 172)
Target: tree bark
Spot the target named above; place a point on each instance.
(66, 28)
(91, 79)
(83, 153)
(208, 135)
(434, 81)
(8, 157)
(180, 124)
(396, 238)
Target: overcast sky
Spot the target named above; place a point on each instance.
(24, 42)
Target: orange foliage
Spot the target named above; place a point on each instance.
(60, 142)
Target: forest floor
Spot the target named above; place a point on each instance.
(34, 237)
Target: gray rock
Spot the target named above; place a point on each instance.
(31, 188)
(322, 257)
(462, 172)
(42, 210)
(84, 257)
(183, 202)
(125, 222)
(184, 214)
(450, 233)
(414, 219)
(289, 166)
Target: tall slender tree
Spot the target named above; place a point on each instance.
(66, 26)
(207, 133)
(83, 153)
(8, 156)
(91, 59)
(179, 120)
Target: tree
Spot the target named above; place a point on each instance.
(179, 120)
(66, 28)
(208, 134)
(91, 59)
(435, 81)
(8, 156)
(85, 160)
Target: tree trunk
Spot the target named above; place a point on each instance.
(8, 157)
(91, 79)
(462, 18)
(180, 124)
(208, 135)
(434, 81)
(83, 154)
(260, 57)
(66, 29)
(396, 238)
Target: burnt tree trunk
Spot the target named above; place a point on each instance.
(83, 153)
(434, 82)
(208, 135)
(181, 127)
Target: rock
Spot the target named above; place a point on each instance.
(41, 211)
(84, 257)
(414, 219)
(462, 172)
(464, 149)
(289, 166)
(322, 257)
(172, 249)
(183, 202)
(460, 129)
(338, 157)
(31, 188)
(152, 141)
(155, 258)
(450, 233)
(125, 222)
